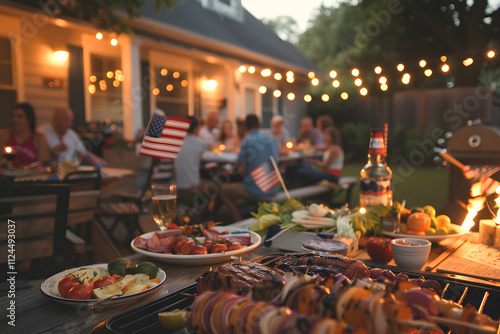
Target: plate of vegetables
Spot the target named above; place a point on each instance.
(116, 282)
(214, 245)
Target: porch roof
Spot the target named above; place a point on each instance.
(251, 34)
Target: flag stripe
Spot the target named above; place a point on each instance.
(162, 140)
(264, 181)
(158, 154)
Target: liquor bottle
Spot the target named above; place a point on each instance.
(376, 176)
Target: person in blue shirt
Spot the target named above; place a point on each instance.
(255, 150)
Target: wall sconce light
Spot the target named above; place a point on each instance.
(210, 85)
(61, 56)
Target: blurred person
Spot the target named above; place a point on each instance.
(278, 131)
(330, 167)
(255, 149)
(187, 163)
(323, 122)
(309, 134)
(208, 132)
(228, 138)
(240, 129)
(64, 142)
(30, 145)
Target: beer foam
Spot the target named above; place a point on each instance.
(164, 197)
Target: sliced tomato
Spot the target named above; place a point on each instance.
(66, 284)
(81, 291)
(104, 281)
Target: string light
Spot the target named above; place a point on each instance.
(400, 67)
(291, 96)
(315, 82)
(358, 82)
(445, 68)
(382, 80)
(428, 72)
(333, 74)
(170, 87)
(378, 70)
(277, 93)
(251, 70)
(344, 96)
(355, 72)
(290, 79)
(443, 58)
(406, 78)
(98, 36)
(156, 91)
(110, 74)
(242, 69)
(363, 91)
(262, 89)
(277, 76)
(336, 84)
(176, 75)
(422, 63)
(384, 87)
(93, 78)
(184, 83)
(114, 42)
(289, 74)
(91, 89)
(311, 75)
(325, 97)
(265, 73)
(164, 71)
(307, 98)
(491, 54)
(468, 62)
(116, 83)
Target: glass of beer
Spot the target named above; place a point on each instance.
(164, 204)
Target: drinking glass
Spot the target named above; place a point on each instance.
(164, 204)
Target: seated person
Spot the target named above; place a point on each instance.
(208, 132)
(330, 166)
(278, 131)
(308, 134)
(323, 122)
(256, 149)
(64, 142)
(228, 138)
(187, 169)
(29, 145)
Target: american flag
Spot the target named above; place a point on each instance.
(164, 137)
(265, 177)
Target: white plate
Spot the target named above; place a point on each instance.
(48, 285)
(431, 238)
(202, 259)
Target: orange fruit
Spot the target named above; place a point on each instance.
(418, 222)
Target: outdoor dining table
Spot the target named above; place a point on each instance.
(36, 313)
(232, 158)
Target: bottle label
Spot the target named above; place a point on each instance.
(375, 192)
(377, 146)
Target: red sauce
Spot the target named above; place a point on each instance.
(405, 243)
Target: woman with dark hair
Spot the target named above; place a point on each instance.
(330, 167)
(228, 138)
(29, 145)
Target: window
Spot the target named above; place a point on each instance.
(267, 108)
(172, 91)
(8, 92)
(250, 101)
(105, 89)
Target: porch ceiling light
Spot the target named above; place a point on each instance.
(210, 85)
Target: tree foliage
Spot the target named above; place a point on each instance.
(388, 32)
(103, 13)
(286, 27)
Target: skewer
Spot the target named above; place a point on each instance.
(189, 295)
(444, 289)
(307, 269)
(462, 297)
(456, 323)
(485, 297)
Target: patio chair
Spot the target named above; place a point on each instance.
(125, 209)
(37, 216)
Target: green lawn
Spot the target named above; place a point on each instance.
(425, 186)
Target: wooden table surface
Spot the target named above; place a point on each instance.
(36, 313)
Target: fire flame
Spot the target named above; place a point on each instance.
(497, 201)
(476, 203)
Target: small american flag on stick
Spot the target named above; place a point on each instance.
(265, 177)
(164, 137)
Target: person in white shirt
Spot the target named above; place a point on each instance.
(209, 132)
(278, 131)
(63, 141)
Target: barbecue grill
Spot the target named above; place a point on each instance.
(471, 145)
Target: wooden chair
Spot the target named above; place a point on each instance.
(84, 197)
(37, 216)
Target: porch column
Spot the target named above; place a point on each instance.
(132, 89)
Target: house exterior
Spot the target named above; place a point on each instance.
(205, 55)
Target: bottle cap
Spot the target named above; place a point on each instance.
(377, 143)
